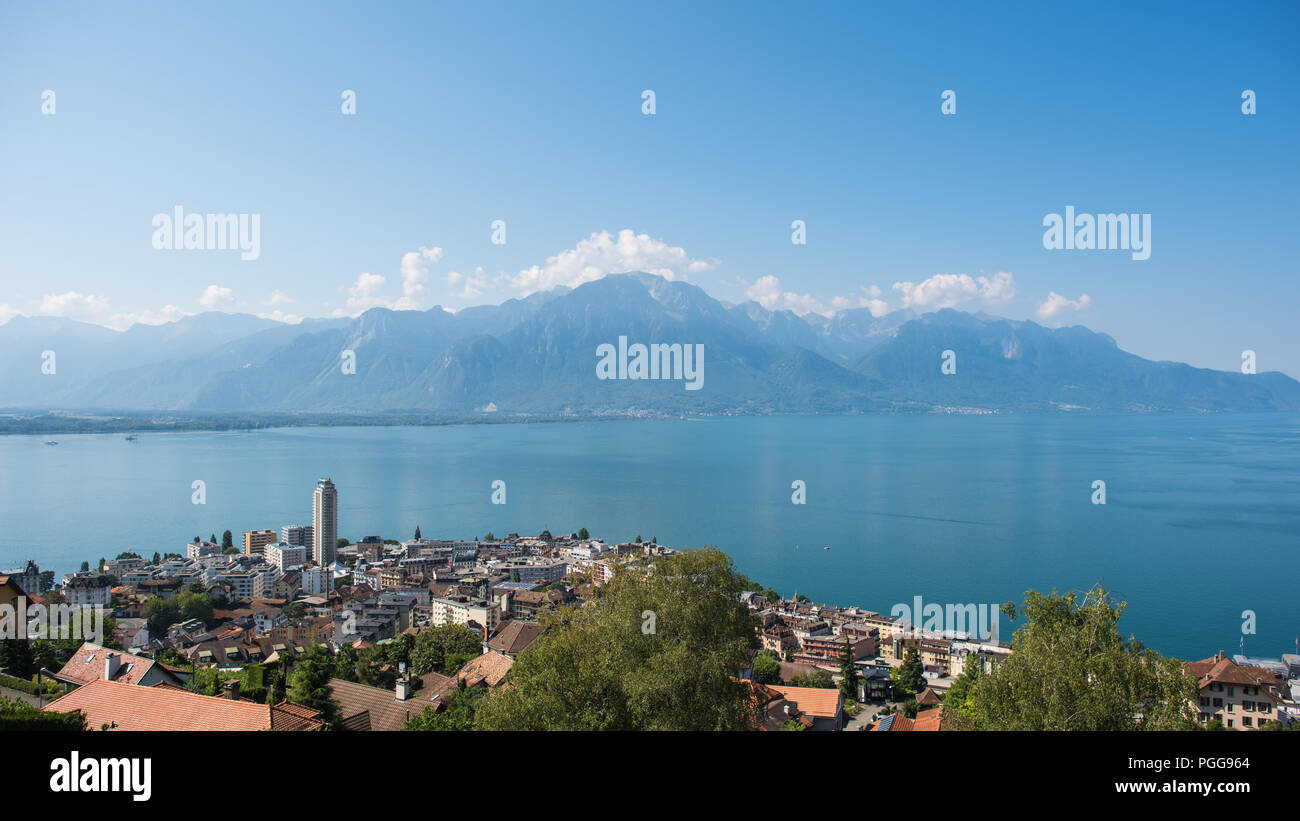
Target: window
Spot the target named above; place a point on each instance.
(1245, 722)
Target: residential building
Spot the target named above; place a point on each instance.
(324, 522)
(89, 590)
(28, 576)
(93, 662)
(116, 706)
(816, 708)
(255, 541)
(317, 581)
(284, 555)
(297, 535)
(1240, 696)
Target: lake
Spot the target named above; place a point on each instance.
(1201, 520)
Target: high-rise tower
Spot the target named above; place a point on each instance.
(324, 522)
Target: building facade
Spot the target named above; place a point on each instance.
(324, 522)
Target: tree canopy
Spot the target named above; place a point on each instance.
(1070, 669)
(658, 647)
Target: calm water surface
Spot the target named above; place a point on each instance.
(1202, 519)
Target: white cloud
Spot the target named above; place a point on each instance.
(86, 307)
(467, 286)
(602, 253)
(414, 266)
(766, 291)
(415, 272)
(215, 296)
(96, 309)
(279, 298)
(8, 312)
(281, 316)
(1055, 304)
(950, 290)
(363, 295)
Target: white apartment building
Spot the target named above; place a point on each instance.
(297, 535)
(88, 591)
(317, 581)
(460, 610)
(284, 556)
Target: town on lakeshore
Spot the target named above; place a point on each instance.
(296, 628)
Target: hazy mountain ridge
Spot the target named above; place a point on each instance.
(538, 356)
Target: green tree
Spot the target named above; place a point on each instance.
(457, 715)
(909, 678)
(583, 534)
(444, 649)
(417, 533)
(657, 649)
(820, 679)
(19, 715)
(17, 658)
(227, 539)
(959, 695)
(1070, 669)
(767, 668)
(848, 671)
(309, 683)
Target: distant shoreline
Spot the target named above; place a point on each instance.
(67, 423)
(70, 423)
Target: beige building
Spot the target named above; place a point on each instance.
(1243, 698)
(255, 541)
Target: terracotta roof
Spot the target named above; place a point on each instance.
(895, 723)
(87, 665)
(436, 685)
(929, 720)
(291, 716)
(1223, 670)
(489, 668)
(820, 702)
(928, 698)
(386, 713)
(515, 637)
(128, 707)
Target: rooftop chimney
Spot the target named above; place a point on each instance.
(403, 689)
(112, 663)
(230, 690)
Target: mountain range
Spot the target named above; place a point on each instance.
(538, 356)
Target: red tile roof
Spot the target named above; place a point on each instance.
(87, 665)
(820, 702)
(128, 707)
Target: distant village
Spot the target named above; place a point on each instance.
(281, 592)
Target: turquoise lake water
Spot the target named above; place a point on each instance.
(1202, 519)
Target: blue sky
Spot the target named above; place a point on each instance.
(531, 113)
